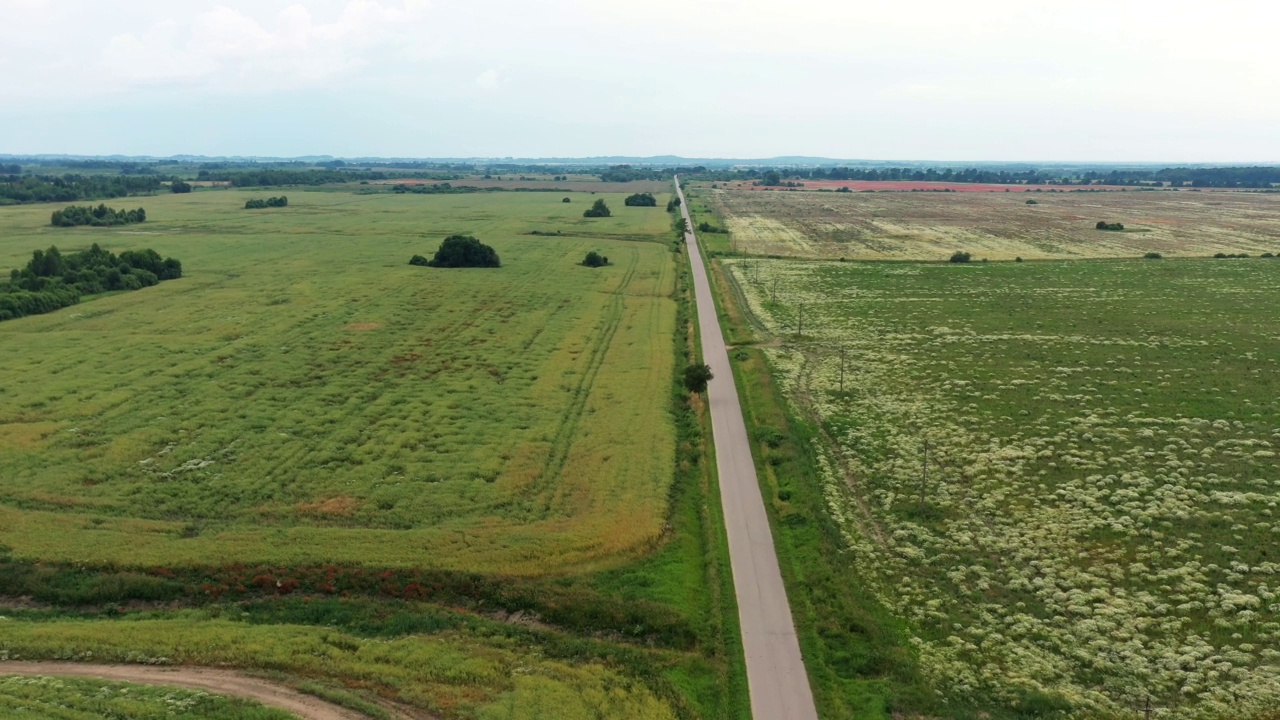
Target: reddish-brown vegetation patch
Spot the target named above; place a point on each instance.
(362, 327)
(341, 506)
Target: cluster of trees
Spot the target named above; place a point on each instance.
(706, 227)
(961, 257)
(69, 188)
(180, 186)
(598, 209)
(52, 280)
(1104, 225)
(460, 251)
(100, 216)
(673, 204)
(641, 200)
(271, 202)
(595, 260)
(10, 169)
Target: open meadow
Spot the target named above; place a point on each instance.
(305, 395)
(994, 225)
(1061, 477)
(453, 489)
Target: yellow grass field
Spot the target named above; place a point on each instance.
(303, 395)
(994, 225)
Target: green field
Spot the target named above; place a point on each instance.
(1093, 525)
(47, 698)
(304, 395)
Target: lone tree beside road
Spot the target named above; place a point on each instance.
(599, 209)
(696, 378)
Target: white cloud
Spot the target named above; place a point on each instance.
(228, 50)
(489, 79)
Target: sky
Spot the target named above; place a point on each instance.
(1069, 80)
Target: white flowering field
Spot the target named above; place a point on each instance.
(1062, 475)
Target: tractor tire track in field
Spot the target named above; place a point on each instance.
(211, 680)
(563, 439)
(776, 676)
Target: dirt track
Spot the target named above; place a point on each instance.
(219, 682)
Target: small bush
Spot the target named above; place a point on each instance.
(1153, 256)
(1266, 255)
(961, 257)
(1113, 227)
(595, 260)
(598, 209)
(419, 261)
(1018, 259)
(566, 200)
(1033, 202)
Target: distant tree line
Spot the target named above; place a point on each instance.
(1207, 177)
(69, 188)
(52, 280)
(10, 169)
(271, 202)
(627, 173)
(641, 200)
(443, 188)
(101, 216)
(272, 177)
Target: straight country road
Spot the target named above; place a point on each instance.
(776, 677)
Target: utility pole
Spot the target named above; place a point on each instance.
(841, 369)
(924, 476)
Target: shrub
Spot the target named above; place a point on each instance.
(1033, 202)
(273, 202)
(419, 261)
(1114, 227)
(595, 260)
(179, 186)
(1266, 255)
(961, 257)
(1018, 259)
(459, 251)
(599, 209)
(1153, 256)
(566, 200)
(641, 200)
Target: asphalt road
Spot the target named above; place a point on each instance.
(775, 671)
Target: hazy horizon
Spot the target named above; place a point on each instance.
(1092, 82)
